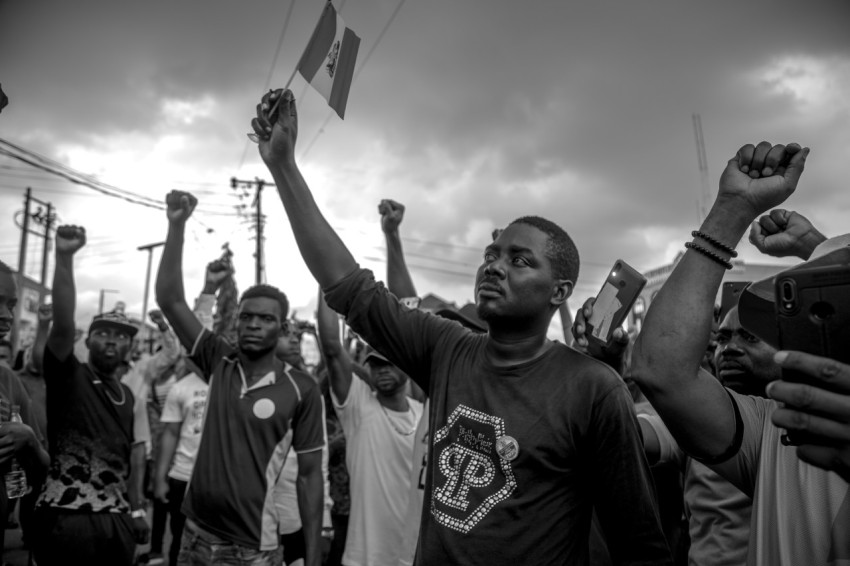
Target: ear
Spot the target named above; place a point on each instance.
(87, 342)
(561, 292)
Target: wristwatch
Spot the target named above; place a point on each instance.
(327, 532)
(138, 514)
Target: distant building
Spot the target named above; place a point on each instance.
(655, 278)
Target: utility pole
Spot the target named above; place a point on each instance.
(259, 220)
(24, 219)
(149, 248)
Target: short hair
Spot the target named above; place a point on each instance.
(269, 292)
(5, 268)
(560, 249)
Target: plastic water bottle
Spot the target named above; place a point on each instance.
(16, 478)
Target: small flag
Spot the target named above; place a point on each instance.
(328, 61)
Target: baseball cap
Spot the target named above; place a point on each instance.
(373, 354)
(757, 303)
(113, 319)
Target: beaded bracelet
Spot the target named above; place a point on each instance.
(709, 254)
(715, 242)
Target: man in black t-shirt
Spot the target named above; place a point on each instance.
(528, 435)
(91, 508)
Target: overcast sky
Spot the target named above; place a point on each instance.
(470, 112)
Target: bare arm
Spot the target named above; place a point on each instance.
(399, 281)
(166, 357)
(667, 354)
(167, 448)
(45, 316)
(309, 486)
(337, 359)
(69, 239)
(323, 251)
(169, 279)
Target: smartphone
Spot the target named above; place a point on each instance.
(731, 292)
(614, 301)
(813, 310)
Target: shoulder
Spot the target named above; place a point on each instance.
(580, 366)
(303, 383)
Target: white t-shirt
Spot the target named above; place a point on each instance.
(379, 456)
(185, 403)
(801, 513)
(413, 518)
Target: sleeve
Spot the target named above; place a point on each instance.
(308, 423)
(203, 310)
(742, 468)
(407, 337)
(670, 451)
(141, 426)
(56, 369)
(172, 411)
(623, 489)
(207, 352)
(348, 409)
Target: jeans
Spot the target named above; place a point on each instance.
(200, 548)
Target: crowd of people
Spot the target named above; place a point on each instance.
(453, 437)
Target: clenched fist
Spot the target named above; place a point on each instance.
(180, 206)
(69, 239)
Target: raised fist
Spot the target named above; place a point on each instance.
(276, 127)
(180, 206)
(761, 177)
(785, 233)
(157, 318)
(217, 272)
(45, 313)
(392, 213)
(69, 239)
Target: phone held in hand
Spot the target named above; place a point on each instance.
(617, 296)
(813, 311)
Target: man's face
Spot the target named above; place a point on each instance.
(744, 363)
(386, 378)
(108, 348)
(516, 279)
(258, 326)
(289, 345)
(6, 356)
(8, 301)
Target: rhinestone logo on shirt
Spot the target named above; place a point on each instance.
(470, 477)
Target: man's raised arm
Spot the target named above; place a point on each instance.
(336, 358)
(169, 279)
(667, 354)
(399, 281)
(69, 239)
(323, 251)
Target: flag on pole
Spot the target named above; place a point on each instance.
(328, 61)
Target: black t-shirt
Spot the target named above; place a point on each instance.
(519, 456)
(90, 429)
